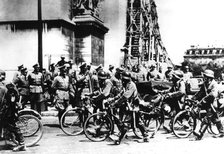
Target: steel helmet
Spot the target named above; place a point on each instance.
(178, 74)
(209, 73)
(102, 75)
(126, 75)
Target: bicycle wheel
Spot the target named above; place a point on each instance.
(183, 124)
(31, 128)
(212, 129)
(98, 127)
(72, 122)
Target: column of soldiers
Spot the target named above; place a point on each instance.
(66, 87)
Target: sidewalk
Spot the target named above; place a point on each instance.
(52, 111)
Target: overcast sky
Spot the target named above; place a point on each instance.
(190, 22)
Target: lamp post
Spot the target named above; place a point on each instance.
(40, 30)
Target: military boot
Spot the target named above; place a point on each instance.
(201, 132)
(220, 128)
(20, 147)
(123, 133)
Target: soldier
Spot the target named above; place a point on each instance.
(61, 62)
(131, 95)
(206, 95)
(9, 112)
(187, 73)
(17, 73)
(81, 82)
(153, 74)
(62, 89)
(36, 83)
(175, 96)
(111, 73)
(169, 73)
(23, 86)
(106, 86)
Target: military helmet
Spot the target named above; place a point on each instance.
(178, 74)
(126, 75)
(102, 75)
(209, 73)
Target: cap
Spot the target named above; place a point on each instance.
(24, 69)
(111, 67)
(119, 69)
(20, 67)
(2, 72)
(82, 66)
(36, 65)
(153, 65)
(62, 56)
(99, 67)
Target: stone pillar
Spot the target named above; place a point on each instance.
(89, 37)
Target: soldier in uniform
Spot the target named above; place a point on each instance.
(169, 73)
(153, 74)
(174, 101)
(105, 90)
(110, 71)
(23, 86)
(63, 89)
(61, 62)
(9, 112)
(17, 73)
(81, 82)
(131, 95)
(207, 94)
(36, 83)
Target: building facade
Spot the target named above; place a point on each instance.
(205, 55)
(92, 31)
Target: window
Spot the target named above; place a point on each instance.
(210, 51)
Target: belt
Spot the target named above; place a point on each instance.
(35, 84)
(62, 89)
(23, 87)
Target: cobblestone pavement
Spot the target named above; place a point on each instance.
(55, 141)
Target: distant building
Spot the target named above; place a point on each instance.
(205, 55)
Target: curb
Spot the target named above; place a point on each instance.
(51, 112)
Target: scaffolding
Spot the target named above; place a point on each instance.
(143, 39)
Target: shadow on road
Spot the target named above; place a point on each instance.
(52, 125)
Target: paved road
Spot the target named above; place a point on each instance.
(55, 141)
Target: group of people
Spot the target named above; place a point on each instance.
(67, 87)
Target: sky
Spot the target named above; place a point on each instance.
(190, 22)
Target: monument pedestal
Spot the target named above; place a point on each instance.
(89, 39)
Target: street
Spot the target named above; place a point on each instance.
(56, 142)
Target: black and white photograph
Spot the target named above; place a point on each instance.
(111, 76)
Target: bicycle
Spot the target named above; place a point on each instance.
(72, 120)
(99, 126)
(156, 112)
(185, 121)
(31, 128)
